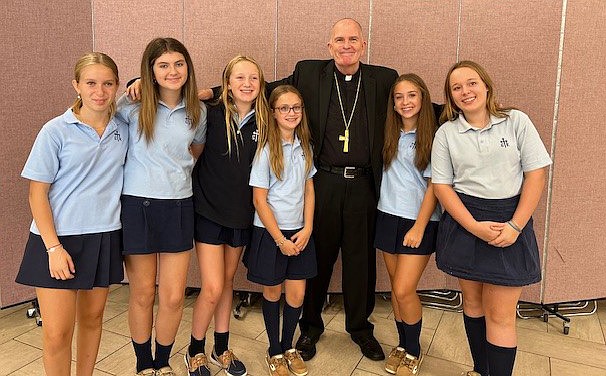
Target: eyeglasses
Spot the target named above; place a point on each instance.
(286, 109)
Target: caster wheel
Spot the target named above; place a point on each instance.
(545, 317)
(30, 313)
(566, 328)
(237, 314)
(38, 321)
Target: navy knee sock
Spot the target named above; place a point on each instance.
(290, 318)
(143, 352)
(271, 316)
(162, 355)
(221, 342)
(401, 334)
(196, 346)
(475, 327)
(500, 359)
(413, 335)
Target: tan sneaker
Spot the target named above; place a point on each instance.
(229, 362)
(409, 365)
(470, 373)
(277, 365)
(393, 360)
(165, 371)
(295, 362)
(196, 365)
(147, 372)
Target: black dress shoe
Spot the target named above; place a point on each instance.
(370, 347)
(306, 346)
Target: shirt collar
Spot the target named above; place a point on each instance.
(295, 142)
(244, 119)
(463, 126)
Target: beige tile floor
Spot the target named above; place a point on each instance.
(542, 348)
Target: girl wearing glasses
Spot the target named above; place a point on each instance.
(407, 219)
(282, 251)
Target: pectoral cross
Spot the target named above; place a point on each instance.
(345, 140)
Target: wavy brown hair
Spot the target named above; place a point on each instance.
(273, 136)
(150, 92)
(451, 111)
(226, 97)
(93, 58)
(426, 125)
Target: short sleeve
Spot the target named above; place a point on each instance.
(442, 171)
(260, 171)
(200, 135)
(312, 171)
(427, 172)
(43, 162)
(533, 153)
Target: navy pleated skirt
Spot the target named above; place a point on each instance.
(209, 232)
(463, 255)
(390, 232)
(97, 259)
(157, 225)
(268, 266)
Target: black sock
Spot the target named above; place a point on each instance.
(500, 359)
(413, 335)
(196, 346)
(271, 316)
(162, 355)
(401, 334)
(475, 327)
(143, 352)
(290, 318)
(221, 342)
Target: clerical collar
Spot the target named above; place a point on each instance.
(347, 77)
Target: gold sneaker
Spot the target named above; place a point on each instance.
(147, 372)
(295, 362)
(165, 371)
(409, 365)
(277, 365)
(393, 360)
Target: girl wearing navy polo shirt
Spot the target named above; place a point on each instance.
(407, 218)
(488, 167)
(167, 132)
(72, 255)
(224, 211)
(282, 251)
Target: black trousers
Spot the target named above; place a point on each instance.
(344, 220)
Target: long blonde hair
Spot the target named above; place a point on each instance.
(426, 125)
(273, 136)
(451, 111)
(93, 58)
(226, 98)
(150, 93)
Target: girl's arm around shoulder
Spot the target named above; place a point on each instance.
(60, 262)
(301, 238)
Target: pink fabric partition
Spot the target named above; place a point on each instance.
(41, 42)
(545, 56)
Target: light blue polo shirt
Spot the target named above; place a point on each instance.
(403, 186)
(85, 172)
(285, 197)
(162, 167)
(489, 162)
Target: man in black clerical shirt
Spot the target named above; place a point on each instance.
(345, 102)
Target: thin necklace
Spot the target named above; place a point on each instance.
(345, 137)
